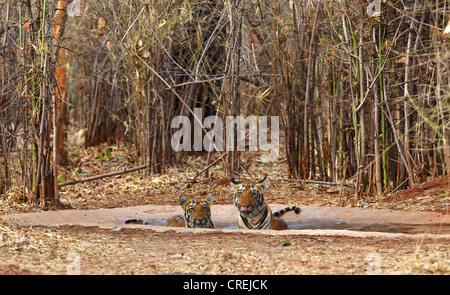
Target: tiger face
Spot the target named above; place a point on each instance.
(249, 197)
(197, 213)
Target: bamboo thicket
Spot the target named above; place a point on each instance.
(363, 96)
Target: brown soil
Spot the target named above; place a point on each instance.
(429, 196)
(140, 251)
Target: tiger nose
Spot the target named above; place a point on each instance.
(199, 219)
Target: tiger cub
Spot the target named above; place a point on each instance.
(197, 214)
(254, 213)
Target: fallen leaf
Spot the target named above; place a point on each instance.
(284, 242)
(27, 26)
(101, 24)
(21, 244)
(447, 28)
(401, 60)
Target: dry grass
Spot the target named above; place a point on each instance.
(130, 251)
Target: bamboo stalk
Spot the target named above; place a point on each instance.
(399, 145)
(376, 135)
(362, 114)
(308, 98)
(407, 94)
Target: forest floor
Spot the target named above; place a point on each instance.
(41, 250)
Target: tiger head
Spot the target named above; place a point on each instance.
(197, 213)
(249, 197)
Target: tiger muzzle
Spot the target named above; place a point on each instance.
(246, 209)
(200, 222)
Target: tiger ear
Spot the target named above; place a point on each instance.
(264, 183)
(234, 183)
(183, 200)
(209, 197)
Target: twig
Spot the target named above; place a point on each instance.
(315, 239)
(176, 95)
(129, 28)
(406, 240)
(207, 167)
(316, 182)
(103, 175)
(343, 182)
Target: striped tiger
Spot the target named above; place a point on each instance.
(254, 213)
(197, 214)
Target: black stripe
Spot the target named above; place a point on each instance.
(247, 225)
(278, 213)
(136, 221)
(281, 212)
(175, 221)
(262, 222)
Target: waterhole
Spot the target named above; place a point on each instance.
(329, 224)
(383, 221)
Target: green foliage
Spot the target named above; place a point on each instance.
(105, 156)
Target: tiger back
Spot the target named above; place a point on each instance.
(197, 214)
(254, 213)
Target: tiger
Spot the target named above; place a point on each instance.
(197, 214)
(254, 213)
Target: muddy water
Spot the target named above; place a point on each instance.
(323, 219)
(334, 224)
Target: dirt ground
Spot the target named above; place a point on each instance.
(92, 250)
(140, 251)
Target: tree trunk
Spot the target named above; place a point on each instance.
(59, 22)
(46, 192)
